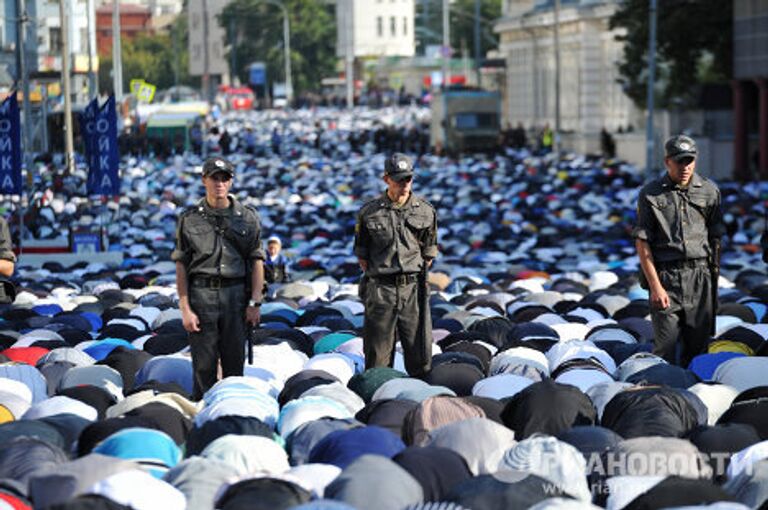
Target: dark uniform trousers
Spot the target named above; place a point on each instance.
(222, 330)
(689, 315)
(392, 313)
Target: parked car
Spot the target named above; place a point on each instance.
(241, 98)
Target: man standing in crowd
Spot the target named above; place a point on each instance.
(276, 264)
(679, 226)
(7, 257)
(7, 263)
(219, 276)
(395, 243)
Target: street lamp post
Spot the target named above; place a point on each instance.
(69, 150)
(20, 46)
(556, 137)
(93, 87)
(206, 56)
(649, 137)
(286, 48)
(349, 53)
(117, 53)
(22, 77)
(287, 37)
(233, 51)
(477, 44)
(446, 44)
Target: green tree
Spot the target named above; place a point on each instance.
(429, 20)
(154, 58)
(694, 47)
(256, 28)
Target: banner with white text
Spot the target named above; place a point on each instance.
(100, 129)
(10, 147)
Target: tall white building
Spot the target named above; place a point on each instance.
(204, 29)
(590, 96)
(375, 28)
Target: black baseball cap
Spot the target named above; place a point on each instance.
(217, 165)
(399, 166)
(679, 147)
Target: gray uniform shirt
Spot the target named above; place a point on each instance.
(679, 223)
(393, 239)
(213, 242)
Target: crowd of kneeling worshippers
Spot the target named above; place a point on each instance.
(490, 332)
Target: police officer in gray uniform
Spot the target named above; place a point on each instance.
(677, 236)
(7, 257)
(395, 243)
(7, 264)
(218, 259)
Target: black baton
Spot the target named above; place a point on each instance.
(251, 338)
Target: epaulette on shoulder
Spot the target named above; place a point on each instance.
(423, 201)
(655, 186)
(370, 204)
(251, 215)
(188, 210)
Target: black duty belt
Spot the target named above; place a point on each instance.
(680, 264)
(396, 279)
(216, 282)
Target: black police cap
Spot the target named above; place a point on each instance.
(680, 146)
(217, 165)
(398, 166)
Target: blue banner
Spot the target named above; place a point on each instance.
(88, 128)
(10, 146)
(101, 148)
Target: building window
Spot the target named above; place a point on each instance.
(379, 26)
(392, 26)
(405, 25)
(54, 36)
(195, 21)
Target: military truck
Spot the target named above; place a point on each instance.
(465, 120)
